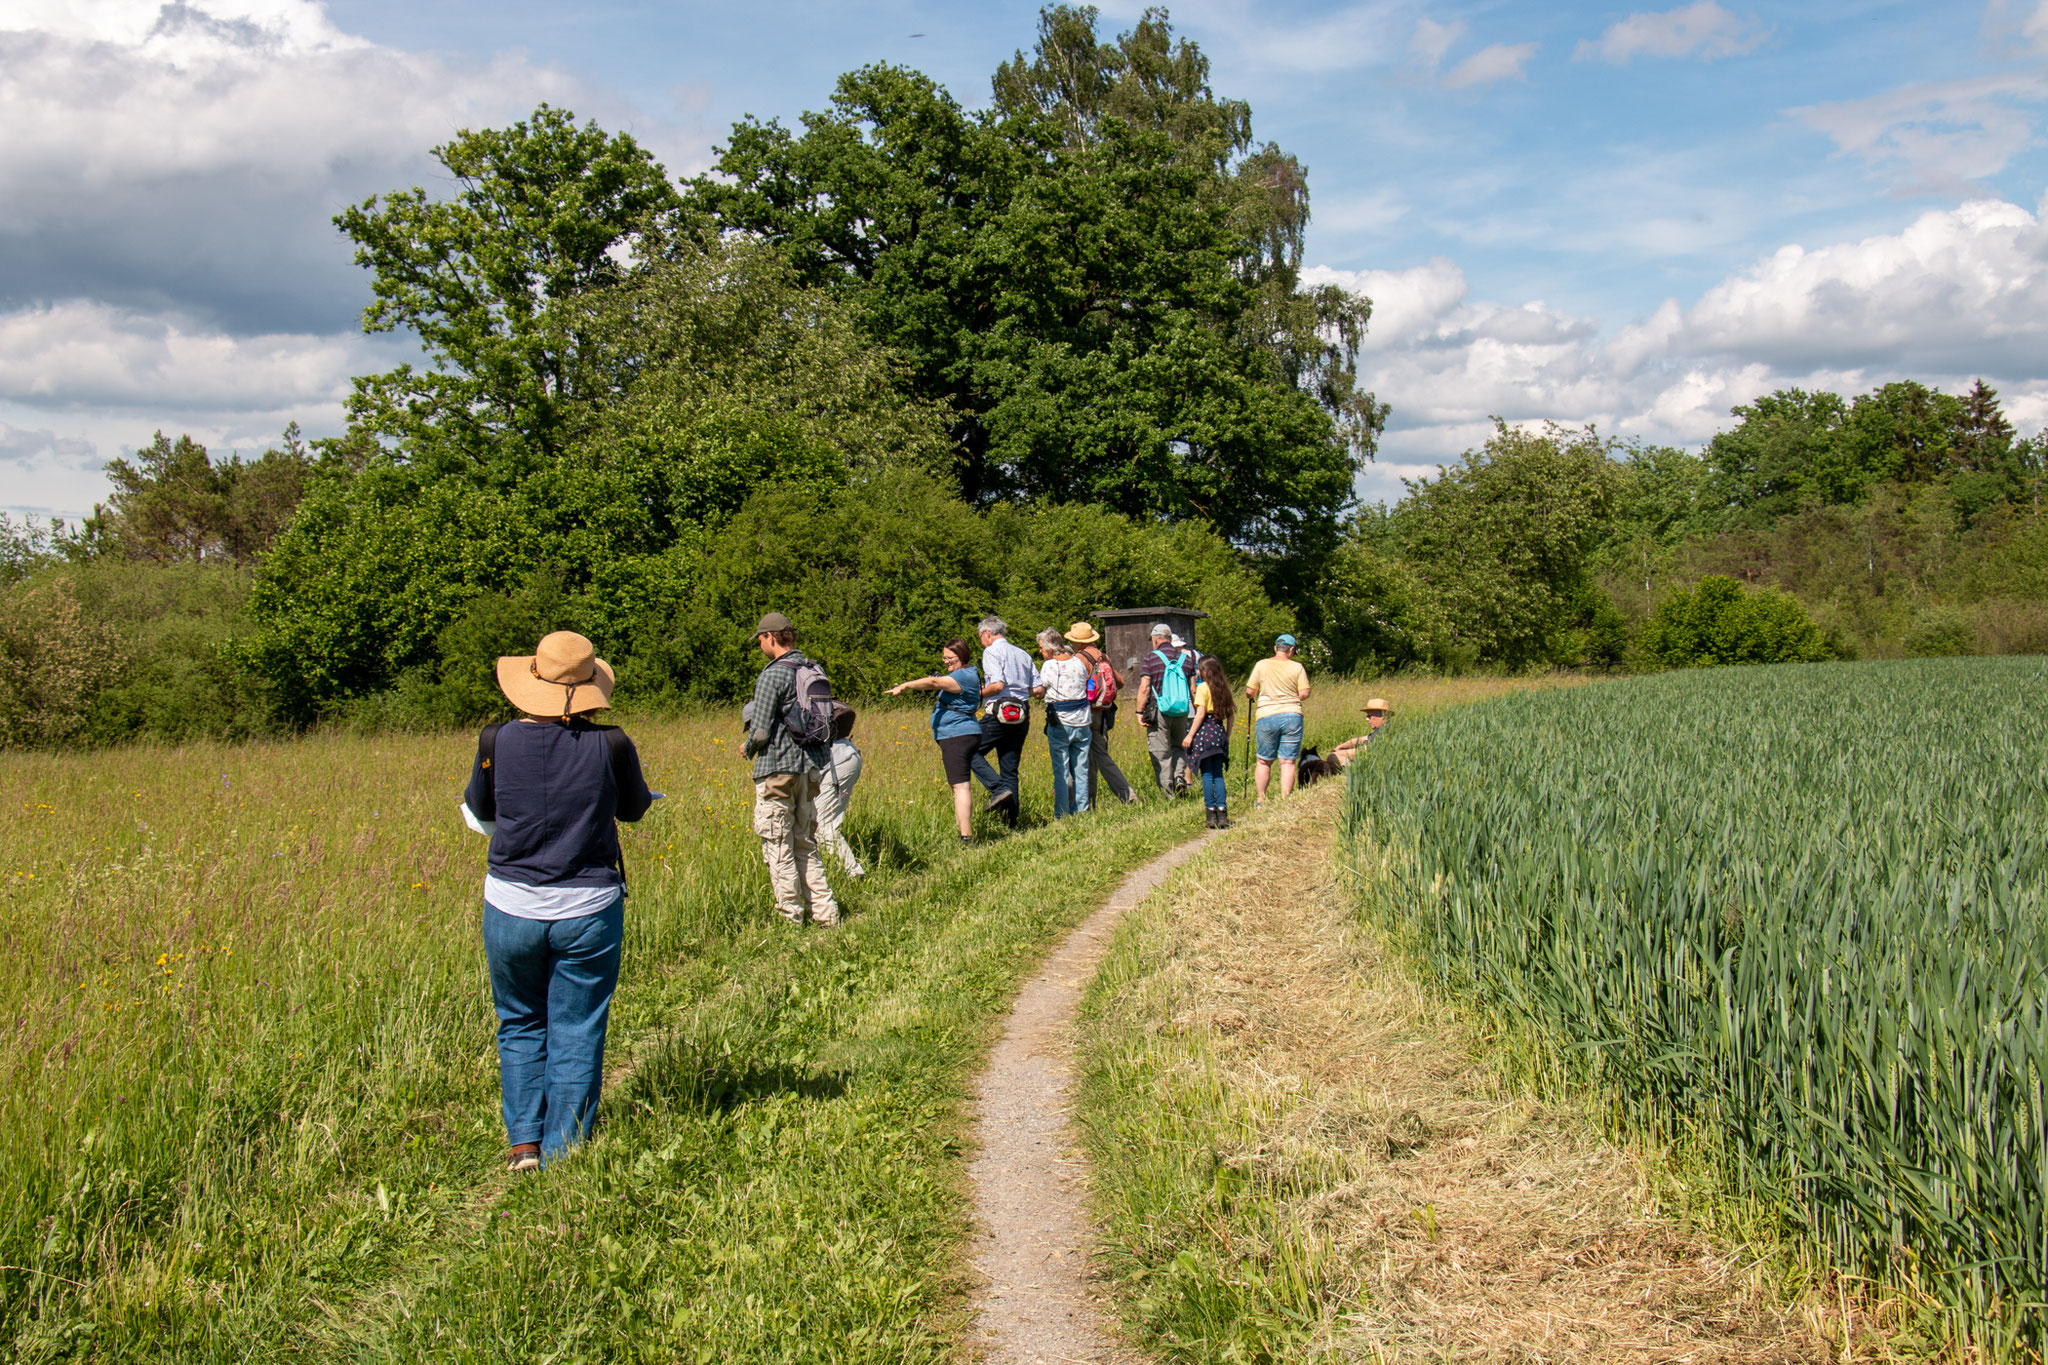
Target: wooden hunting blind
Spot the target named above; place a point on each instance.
(1127, 631)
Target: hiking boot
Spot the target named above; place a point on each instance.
(997, 799)
(525, 1156)
(1223, 819)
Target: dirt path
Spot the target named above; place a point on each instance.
(1037, 1302)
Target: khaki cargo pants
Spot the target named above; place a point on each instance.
(786, 818)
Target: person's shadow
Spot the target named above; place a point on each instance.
(678, 1077)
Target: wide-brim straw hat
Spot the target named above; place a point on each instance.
(562, 677)
(1377, 704)
(1081, 633)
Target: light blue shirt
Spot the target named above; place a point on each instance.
(1003, 662)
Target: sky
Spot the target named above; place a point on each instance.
(1636, 218)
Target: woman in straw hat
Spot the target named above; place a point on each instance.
(547, 788)
(1101, 715)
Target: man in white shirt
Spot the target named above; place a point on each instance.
(1007, 677)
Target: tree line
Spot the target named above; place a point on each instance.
(908, 362)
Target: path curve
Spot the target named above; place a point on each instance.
(1036, 1304)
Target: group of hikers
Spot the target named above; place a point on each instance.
(548, 788)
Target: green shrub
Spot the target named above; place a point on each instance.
(56, 659)
(1721, 622)
(1941, 633)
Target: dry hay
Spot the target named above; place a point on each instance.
(1473, 1224)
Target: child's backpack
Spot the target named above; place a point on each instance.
(809, 715)
(1173, 687)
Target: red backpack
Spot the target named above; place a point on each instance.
(1106, 681)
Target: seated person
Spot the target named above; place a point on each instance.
(1376, 712)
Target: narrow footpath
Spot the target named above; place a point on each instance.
(1037, 1303)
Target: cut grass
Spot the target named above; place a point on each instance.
(1297, 1156)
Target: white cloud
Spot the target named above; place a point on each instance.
(80, 354)
(1942, 137)
(189, 155)
(1256, 37)
(1432, 40)
(1958, 293)
(1497, 62)
(1961, 288)
(167, 178)
(1702, 29)
(81, 382)
(2029, 22)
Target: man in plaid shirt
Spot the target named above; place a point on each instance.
(787, 777)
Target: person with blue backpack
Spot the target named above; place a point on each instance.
(789, 737)
(1166, 678)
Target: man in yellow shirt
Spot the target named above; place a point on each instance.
(1278, 686)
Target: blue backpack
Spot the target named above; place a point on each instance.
(1173, 687)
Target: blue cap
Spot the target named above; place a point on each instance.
(1285, 641)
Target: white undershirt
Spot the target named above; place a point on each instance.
(547, 902)
(538, 902)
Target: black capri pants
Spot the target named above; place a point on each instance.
(958, 752)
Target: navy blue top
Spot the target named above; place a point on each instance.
(557, 792)
(953, 712)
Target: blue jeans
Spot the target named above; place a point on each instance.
(1280, 737)
(552, 982)
(1214, 795)
(1069, 746)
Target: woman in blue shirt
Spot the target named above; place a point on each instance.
(954, 725)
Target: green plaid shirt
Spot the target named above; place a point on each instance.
(769, 743)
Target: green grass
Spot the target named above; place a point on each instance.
(1791, 917)
(251, 1110)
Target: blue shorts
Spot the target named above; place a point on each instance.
(1280, 737)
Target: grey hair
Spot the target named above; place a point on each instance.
(1161, 631)
(992, 625)
(1051, 641)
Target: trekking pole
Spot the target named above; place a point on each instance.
(1245, 772)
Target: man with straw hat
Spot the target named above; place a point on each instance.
(1376, 713)
(789, 772)
(547, 790)
(1101, 717)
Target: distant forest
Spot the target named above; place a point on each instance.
(904, 364)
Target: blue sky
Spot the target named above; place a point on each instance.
(1635, 217)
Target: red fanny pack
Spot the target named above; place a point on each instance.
(1010, 712)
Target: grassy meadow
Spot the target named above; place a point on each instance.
(252, 1103)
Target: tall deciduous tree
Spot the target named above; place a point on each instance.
(1505, 540)
(1093, 276)
(545, 213)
